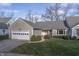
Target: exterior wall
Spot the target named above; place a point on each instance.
(43, 33)
(54, 32)
(20, 26)
(6, 32)
(74, 31)
(66, 32)
(37, 32)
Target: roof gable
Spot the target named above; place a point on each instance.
(72, 21)
(4, 19)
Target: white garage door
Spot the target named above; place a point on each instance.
(20, 35)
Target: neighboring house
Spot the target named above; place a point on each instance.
(4, 25)
(5, 20)
(3, 29)
(73, 26)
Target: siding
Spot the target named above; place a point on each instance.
(74, 31)
(37, 32)
(20, 25)
(54, 32)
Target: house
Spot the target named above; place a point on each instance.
(3, 29)
(22, 29)
(4, 26)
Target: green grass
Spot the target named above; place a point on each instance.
(53, 47)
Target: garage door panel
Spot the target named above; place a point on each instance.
(20, 35)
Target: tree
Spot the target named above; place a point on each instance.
(57, 6)
(31, 17)
(36, 19)
(53, 12)
(1, 14)
(5, 14)
(65, 10)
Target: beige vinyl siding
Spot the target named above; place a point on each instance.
(20, 25)
(37, 32)
(54, 32)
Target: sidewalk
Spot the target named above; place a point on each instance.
(38, 41)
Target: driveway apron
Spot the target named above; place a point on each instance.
(8, 45)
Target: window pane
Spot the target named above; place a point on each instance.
(3, 30)
(61, 32)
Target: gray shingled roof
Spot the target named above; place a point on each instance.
(51, 25)
(72, 21)
(3, 26)
(4, 19)
(47, 25)
(30, 23)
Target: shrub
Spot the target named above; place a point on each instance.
(2, 37)
(62, 37)
(35, 38)
(47, 37)
(73, 38)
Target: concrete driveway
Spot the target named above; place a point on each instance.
(8, 45)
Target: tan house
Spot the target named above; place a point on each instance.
(22, 29)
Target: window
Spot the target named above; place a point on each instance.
(27, 34)
(4, 31)
(61, 31)
(20, 33)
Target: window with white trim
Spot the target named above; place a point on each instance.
(60, 31)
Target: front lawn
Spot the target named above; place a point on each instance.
(53, 47)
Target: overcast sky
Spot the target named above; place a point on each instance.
(20, 9)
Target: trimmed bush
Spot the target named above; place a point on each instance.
(35, 38)
(3, 37)
(47, 37)
(73, 38)
(62, 37)
(66, 37)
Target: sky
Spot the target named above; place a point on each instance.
(21, 9)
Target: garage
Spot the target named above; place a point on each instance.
(20, 35)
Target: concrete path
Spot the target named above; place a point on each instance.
(7, 45)
(38, 41)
